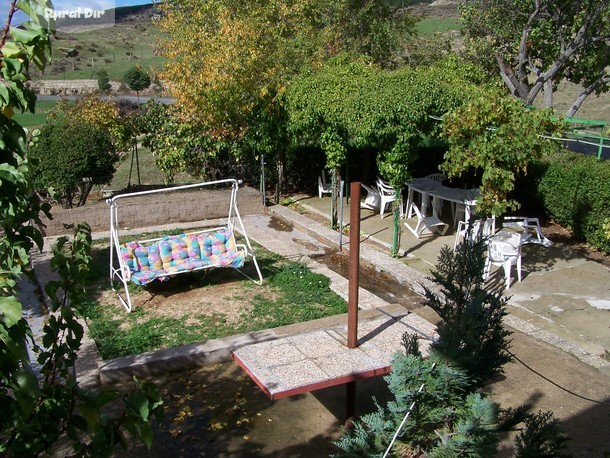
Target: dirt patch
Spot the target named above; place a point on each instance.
(229, 299)
(560, 234)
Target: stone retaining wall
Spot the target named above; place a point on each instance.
(156, 209)
(69, 87)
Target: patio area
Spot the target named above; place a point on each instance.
(562, 294)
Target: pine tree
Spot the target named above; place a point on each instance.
(471, 333)
(446, 419)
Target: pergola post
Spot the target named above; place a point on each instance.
(352, 307)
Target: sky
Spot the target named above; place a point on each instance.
(74, 5)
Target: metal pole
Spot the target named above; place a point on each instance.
(341, 218)
(263, 178)
(354, 266)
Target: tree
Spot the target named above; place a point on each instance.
(230, 62)
(37, 411)
(438, 408)
(103, 81)
(348, 105)
(471, 333)
(103, 114)
(535, 44)
(69, 157)
(137, 80)
(497, 137)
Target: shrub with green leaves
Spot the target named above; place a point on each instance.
(103, 81)
(70, 156)
(575, 191)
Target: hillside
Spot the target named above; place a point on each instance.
(79, 51)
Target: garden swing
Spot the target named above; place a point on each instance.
(143, 261)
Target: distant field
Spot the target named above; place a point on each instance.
(594, 108)
(432, 25)
(79, 55)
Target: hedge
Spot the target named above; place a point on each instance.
(575, 191)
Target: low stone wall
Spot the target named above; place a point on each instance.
(155, 210)
(69, 87)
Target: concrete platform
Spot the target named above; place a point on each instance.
(320, 359)
(563, 294)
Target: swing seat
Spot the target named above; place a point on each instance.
(144, 261)
(159, 259)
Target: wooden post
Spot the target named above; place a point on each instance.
(354, 266)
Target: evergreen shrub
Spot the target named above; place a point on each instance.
(575, 191)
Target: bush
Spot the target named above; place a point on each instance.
(575, 191)
(445, 418)
(103, 81)
(70, 157)
(471, 333)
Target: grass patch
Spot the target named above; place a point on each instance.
(32, 120)
(432, 25)
(291, 293)
(149, 172)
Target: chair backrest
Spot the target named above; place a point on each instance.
(500, 250)
(384, 187)
(417, 211)
(323, 175)
(489, 227)
(438, 177)
(473, 233)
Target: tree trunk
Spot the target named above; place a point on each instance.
(584, 94)
(88, 186)
(548, 94)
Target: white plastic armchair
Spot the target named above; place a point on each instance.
(387, 195)
(481, 229)
(504, 253)
(372, 200)
(426, 223)
(467, 233)
(438, 177)
(323, 187)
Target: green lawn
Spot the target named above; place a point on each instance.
(291, 293)
(432, 25)
(37, 119)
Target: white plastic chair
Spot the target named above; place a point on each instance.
(504, 254)
(481, 229)
(323, 187)
(438, 177)
(528, 224)
(372, 200)
(466, 233)
(426, 223)
(387, 195)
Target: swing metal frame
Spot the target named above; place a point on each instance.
(120, 271)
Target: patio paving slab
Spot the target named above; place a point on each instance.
(321, 359)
